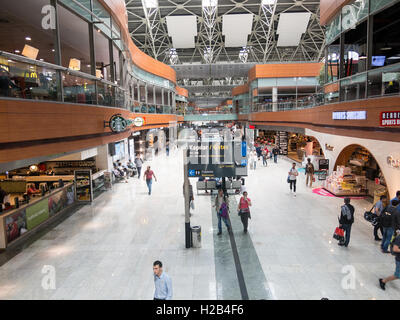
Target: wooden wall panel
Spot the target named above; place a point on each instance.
(28, 152)
(118, 10)
(329, 9)
(284, 70)
(240, 90)
(333, 87)
(182, 91)
(320, 119)
(23, 120)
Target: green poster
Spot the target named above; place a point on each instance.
(37, 213)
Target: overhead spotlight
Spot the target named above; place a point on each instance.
(209, 3)
(150, 4)
(28, 38)
(386, 47)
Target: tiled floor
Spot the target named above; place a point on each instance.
(106, 250)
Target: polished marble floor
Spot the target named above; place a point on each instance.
(106, 250)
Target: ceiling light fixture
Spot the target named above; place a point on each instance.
(17, 51)
(209, 3)
(28, 38)
(150, 4)
(268, 2)
(386, 47)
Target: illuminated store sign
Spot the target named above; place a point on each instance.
(349, 115)
(392, 162)
(138, 121)
(390, 119)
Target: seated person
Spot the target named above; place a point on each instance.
(32, 190)
(122, 171)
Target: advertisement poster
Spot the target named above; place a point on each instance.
(37, 213)
(60, 200)
(15, 225)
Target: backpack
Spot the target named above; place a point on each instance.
(391, 245)
(223, 211)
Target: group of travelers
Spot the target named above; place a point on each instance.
(222, 209)
(261, 151)
(388, 222)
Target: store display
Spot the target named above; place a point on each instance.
(343, 182)
(282, 141)
(84, 189)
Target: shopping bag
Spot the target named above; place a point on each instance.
(192, 204)
(338, 234)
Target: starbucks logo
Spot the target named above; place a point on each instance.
(118, 123)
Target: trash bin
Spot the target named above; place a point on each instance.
(196, 236)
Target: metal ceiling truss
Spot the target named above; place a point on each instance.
(157, 34)
(149, 31)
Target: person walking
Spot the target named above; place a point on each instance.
(309, 172)
(264, 156)
(254, 159)
(162, 283)
(138, 164)
(378, 209)
(222, 210)
(293, 173)
(244, 210)
(387, 222)
(148, 176)
(396, 253)
(275, 151)
(346, 220)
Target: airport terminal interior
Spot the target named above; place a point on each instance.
(200, 150)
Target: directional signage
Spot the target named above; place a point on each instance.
(216, 159)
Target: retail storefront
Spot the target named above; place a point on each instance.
(360, 166)
(356, 172)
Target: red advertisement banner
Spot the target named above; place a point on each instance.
(390, 119)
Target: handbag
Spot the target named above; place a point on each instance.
(192, 204)
(288, 179)
(338, 234)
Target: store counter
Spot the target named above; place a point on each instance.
(16, 223)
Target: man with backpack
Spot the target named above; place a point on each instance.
(222, 210)
(275, 152)
(378, 209)
(386, 220)
(346, 220)
(395, 250)
(309, 172)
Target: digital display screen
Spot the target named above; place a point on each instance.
(378, 61)
(349, 115)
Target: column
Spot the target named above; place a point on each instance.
(274, 99)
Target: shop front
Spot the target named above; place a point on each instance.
(301, 147)
(356, 172)
(20, 220)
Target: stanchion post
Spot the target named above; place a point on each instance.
(186, 194)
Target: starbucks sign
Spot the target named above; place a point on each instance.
(117, 123)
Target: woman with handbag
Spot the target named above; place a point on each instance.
(244, 210)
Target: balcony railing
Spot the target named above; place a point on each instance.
(25, 78)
